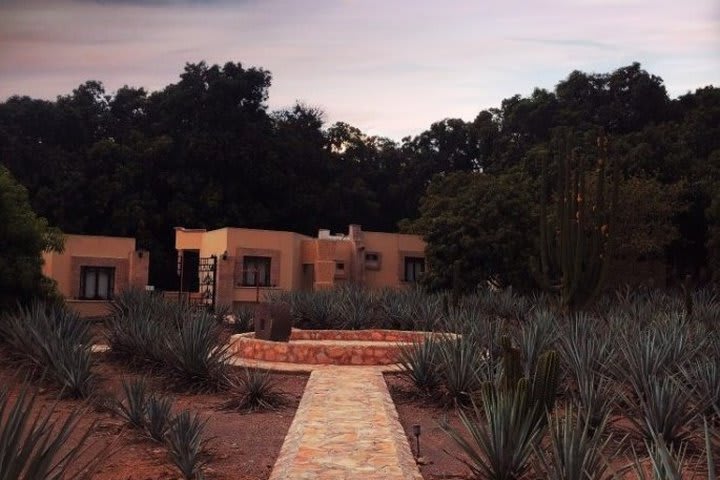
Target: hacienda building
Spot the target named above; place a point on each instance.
(230, 266)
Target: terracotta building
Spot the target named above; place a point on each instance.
(233, 265)
(92, 269)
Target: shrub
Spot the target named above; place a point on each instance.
(186, 443)
(420, 362)
(35, 444)
(499, 447)
(665, 411)
(56, 342)
(138, 326)
(134, 406)
(158, 416)
(461, 367)
(194, 356)
(355, 308)
(254, 390)
(576, 449)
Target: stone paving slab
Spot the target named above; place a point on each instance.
(346, 428)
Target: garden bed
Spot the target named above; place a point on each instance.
(242, 445)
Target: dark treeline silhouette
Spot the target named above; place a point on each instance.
(205, 152)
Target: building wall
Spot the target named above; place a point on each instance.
(392, 249)
(300, 262)
(131, 267)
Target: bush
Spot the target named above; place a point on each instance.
(184, 344)
(158, 417)
(186, 443)
(54, 341)
(35, 444)
(134, 407)
(576, 449)
(254, 390)
(420, 362)
(499, 446)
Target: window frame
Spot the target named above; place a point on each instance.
(415, 261)
(248, 260)
(110, 271)
(375, 264)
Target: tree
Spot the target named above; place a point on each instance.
(23, 238)
(477, 229)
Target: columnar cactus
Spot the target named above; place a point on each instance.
(576, 244)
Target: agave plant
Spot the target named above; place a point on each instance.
(666, 411)
(138, 324)
(54, 341)
(703, 379)
(36, 444)
(499, 446)
(243, 319)
(254, 390)
(194, 356)
(133, 407)
(576, 449)
(157, 417)
(355, 309)
(313, 310)
(583, 350)
(706, 306)
(462, 362)
(536, 336)
(420, 362)
(596, 396)
(185, 442)
(666, 463)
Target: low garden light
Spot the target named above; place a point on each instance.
(416, 432)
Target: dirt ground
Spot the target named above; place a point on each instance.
(435, 443)
(242, 446)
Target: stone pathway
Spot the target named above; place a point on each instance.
(346, 428)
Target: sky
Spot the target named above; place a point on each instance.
(388, 67)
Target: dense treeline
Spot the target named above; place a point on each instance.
(206, 152)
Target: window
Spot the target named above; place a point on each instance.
(96, 283)
(414, 268)
(256, 271)
(340, 267)
(372, 261)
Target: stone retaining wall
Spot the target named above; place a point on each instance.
(345, 350)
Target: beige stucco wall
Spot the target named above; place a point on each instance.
(189, 238)
(290, 251)
(284, 247)
(58, 266)
(393, 248)
(131, 269)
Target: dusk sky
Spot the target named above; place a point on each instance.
(388, 67)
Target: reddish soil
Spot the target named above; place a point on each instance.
(242, 446)
(434, 442)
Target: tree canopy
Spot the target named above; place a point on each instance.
(23, 238)
(206, 152)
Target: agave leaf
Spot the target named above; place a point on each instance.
(186, 443)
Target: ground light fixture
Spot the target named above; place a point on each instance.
(416, 432)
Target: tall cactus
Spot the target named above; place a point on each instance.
(576, 245)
